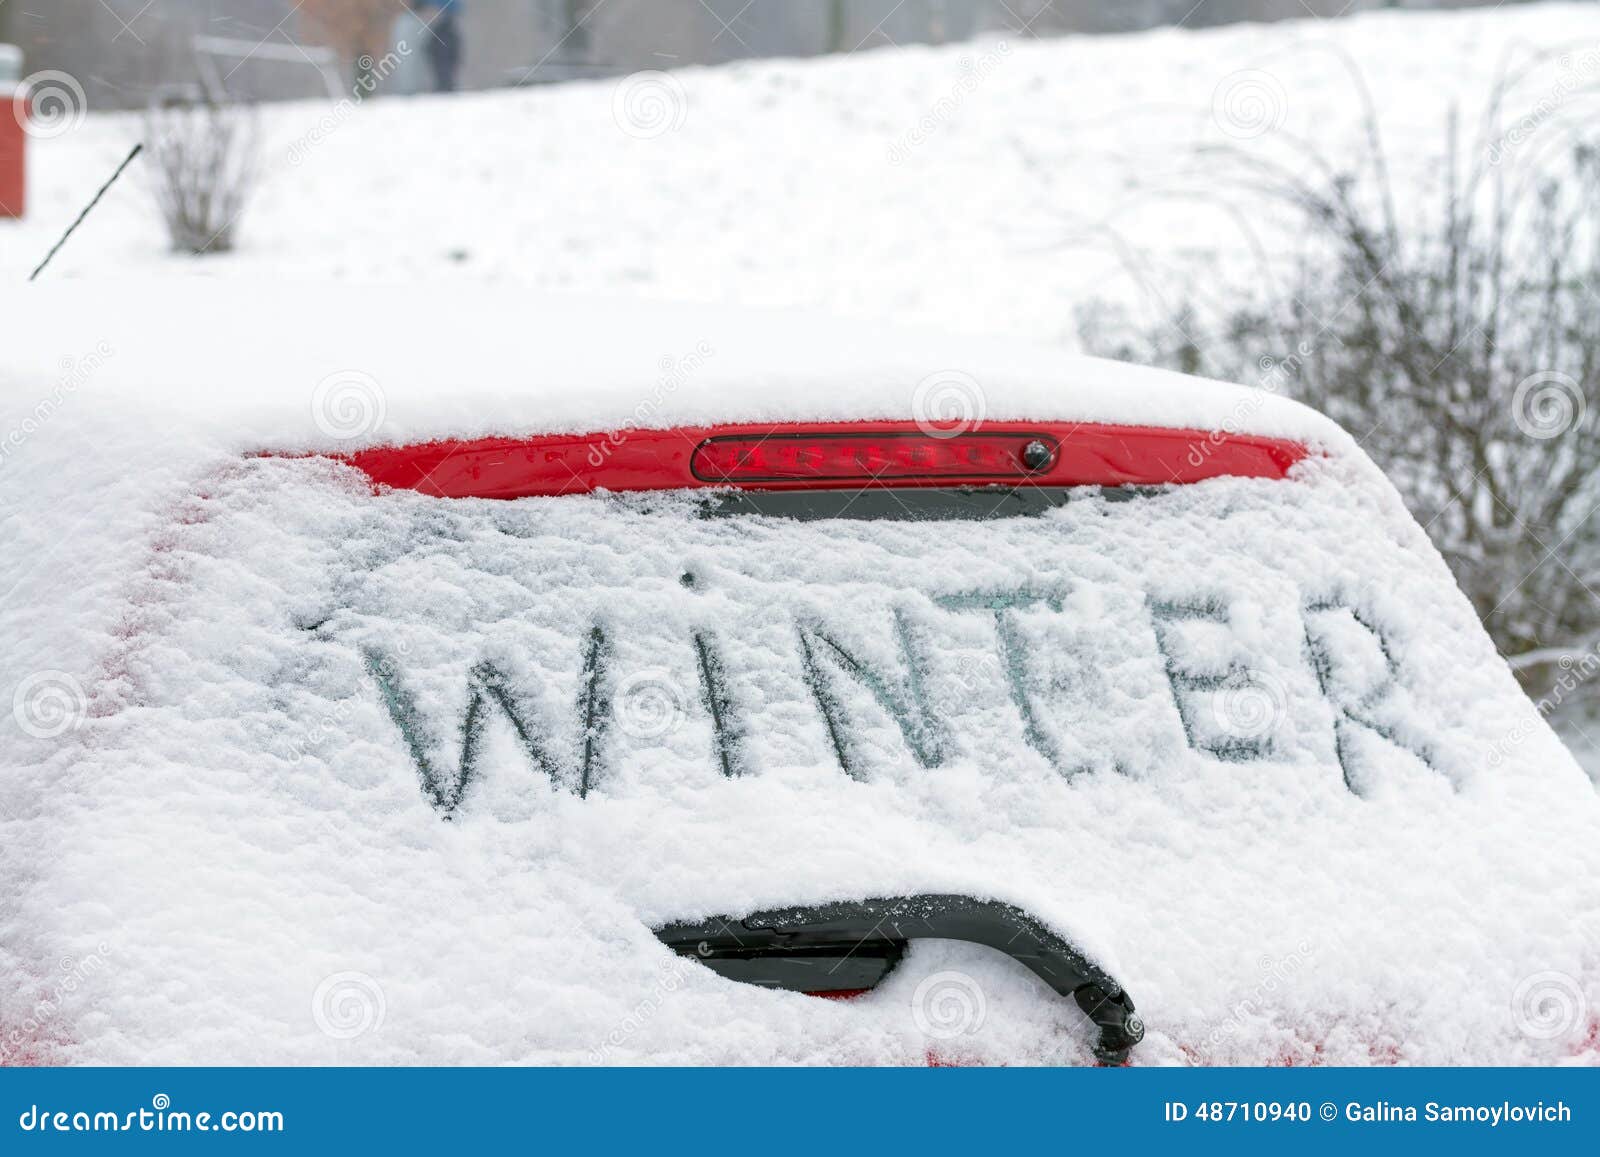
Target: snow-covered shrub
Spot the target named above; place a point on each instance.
(203, 157)
(1464, 353)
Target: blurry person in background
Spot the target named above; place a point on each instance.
(444, 44)
(358, 30)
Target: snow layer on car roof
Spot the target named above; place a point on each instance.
(337, 368)
(241, 844)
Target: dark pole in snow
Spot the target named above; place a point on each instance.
(73, 228)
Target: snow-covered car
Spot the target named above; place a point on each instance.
(508, 679)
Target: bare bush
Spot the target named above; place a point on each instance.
(1463, 351)
(203, 156)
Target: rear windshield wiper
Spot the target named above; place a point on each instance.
(850, 946)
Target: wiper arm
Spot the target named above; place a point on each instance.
(850, 946)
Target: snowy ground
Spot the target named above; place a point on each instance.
(973, 186)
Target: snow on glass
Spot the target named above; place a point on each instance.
(1195, 730)
(868, 646)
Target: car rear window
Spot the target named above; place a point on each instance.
(476, 750)
(608, 641)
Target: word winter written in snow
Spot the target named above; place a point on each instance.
(839, 681)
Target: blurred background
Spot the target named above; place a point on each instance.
(126, 52)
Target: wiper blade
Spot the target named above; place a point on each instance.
(852, 945)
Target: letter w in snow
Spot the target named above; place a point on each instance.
(489, 690)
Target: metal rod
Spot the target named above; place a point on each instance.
(73, 228)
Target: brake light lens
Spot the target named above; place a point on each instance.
(871, 457)
(822, 456)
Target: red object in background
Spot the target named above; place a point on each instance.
(1085, 454)
(13, 152)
